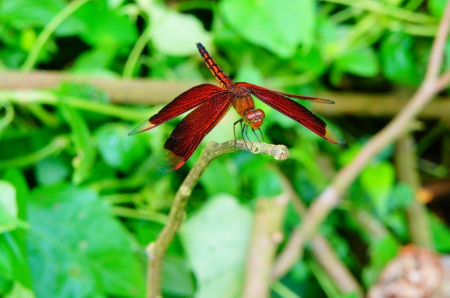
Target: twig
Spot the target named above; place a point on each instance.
(157, 250)
(331, 197)
(266, 235)
(416, 212)
(324, 253)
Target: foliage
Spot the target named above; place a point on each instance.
(80, 199)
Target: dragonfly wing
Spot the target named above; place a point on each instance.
(294, 111)
(182, 103)
(188, 134)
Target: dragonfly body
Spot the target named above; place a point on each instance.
(211, 103)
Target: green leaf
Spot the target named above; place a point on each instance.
(219, 177)
(22, 14)
(380, 252)
(96, 61)
(104, 27)
(71, 248)
(17, 179)
(378, 181)
(19, 291)
(362, 62)
(398, 61)
(178, 280)
(436, 7)
(117, 149)
(216, 240)
(52, 170)
(8, 208)
(278, 27)
(441, 234)
(175, 34)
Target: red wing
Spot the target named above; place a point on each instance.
(295, 111)
(315, 99)
(188, 134)
(182, 103)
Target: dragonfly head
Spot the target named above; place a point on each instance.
(254, 118)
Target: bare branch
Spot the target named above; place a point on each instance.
(331, 197)
(157, 250)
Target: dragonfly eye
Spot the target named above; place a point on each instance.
(255, 118)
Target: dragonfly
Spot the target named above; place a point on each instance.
(211, 103)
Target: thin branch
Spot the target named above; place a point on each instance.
(157, 250)
(331, 197)
(323, 251)
(266, 236)
(406, 169)
(153, 92)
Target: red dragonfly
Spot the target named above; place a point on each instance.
(213, 102)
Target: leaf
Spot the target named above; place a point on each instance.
(17, 179)
(220, 178)
(22, 14)
(441, 234)
(278, 27)
(71, 251)
(397, 59)
(175, 34)
(362, 62)
(8, 208)
(104, 27)
(436, 7)
(19, 291)
(58, 168)
(216, 240)
(380, 252)
(378, 181)
(117, 149)
(178, 279)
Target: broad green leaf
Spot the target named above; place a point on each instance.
(117, 149)
(277, 26)
(8, 198)
(17, 179)
(378, 181)
(436, 7)
(362, 62)
(8, 208)
(380, 253)
(177, 277)
(52, 170)
(249, 73)
(398, 61)
(216, 240)
(105, 27)
(22, 14)
(19, 291)
(441, 234)
(13, 258)
(77, 248)
(176, 34)
(219, 177)
(96, 61)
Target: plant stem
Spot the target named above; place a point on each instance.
(48, 30)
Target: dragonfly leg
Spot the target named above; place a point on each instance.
(234, 130)
(262, 136)
(256, 135)
(245, 136)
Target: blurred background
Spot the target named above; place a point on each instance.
(80, 199)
